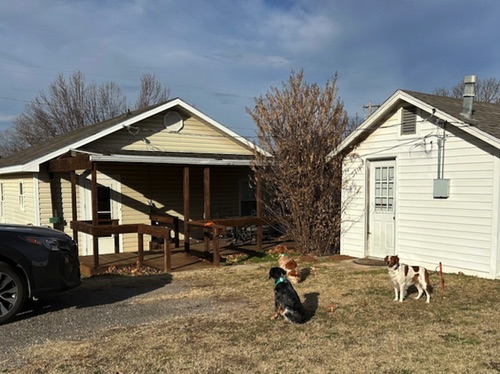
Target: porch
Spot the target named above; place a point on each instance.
(180, 260)
(137, 213)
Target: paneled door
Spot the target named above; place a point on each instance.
(381, 209)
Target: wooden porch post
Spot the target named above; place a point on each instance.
(140, 247)
(186, 208)
(74, 213)
(259, 211)
(95, 217)
(206, 206)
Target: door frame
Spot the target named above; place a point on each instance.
(106, 245)
(370, 206)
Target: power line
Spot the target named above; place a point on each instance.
(12, 99)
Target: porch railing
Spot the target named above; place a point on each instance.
(106, 227)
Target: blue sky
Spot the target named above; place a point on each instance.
(219, 55)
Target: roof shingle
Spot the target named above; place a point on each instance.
(486, 116)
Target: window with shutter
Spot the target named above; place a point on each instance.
(409, 121)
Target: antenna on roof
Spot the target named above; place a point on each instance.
(371, 108)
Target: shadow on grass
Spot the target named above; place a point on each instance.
(311, 304)
(95, 291)
(305, 273)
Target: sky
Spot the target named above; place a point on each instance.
(219, 55)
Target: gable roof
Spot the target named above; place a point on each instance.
(485, 122)
(31, 158)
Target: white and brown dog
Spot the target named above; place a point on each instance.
(403, 276)
(287, 263)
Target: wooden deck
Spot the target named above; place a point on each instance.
(197, 258)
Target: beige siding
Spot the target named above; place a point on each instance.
(62, 201)
(456, 231)
(45, 199)
(163, 186)
(151, 135)
(13, 211)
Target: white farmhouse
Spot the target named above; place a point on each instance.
(428, 189)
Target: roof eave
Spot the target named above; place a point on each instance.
(371, 122)
(169, 160)
(34, 165)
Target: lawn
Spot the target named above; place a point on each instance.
(354, 327)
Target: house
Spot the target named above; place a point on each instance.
(159, 159)
(428, 183)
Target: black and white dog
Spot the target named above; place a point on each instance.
(287, 303)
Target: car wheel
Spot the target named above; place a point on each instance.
(12, 291)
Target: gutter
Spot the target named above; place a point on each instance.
(169, 160)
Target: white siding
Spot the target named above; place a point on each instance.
(353, 233)
(456, 231)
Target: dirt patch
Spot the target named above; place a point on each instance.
(308, 258)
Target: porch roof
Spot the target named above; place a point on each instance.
(185, 158)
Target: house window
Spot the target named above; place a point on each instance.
(21, 195)
(409, 121)
(384, 189)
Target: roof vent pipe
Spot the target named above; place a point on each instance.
(469, 85)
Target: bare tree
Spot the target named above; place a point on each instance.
(152, 91)
(486, 91)
(104, 102)
(298, 126)
(70, 104)
(11, 142)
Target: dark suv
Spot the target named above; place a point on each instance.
(34, 261)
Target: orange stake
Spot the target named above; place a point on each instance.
(441, 276)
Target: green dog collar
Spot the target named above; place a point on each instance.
(282, 279)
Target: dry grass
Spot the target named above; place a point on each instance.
(458, 332)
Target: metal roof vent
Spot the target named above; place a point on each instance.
(467, 107)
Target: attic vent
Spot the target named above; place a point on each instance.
(409, 121)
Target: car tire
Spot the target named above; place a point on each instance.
(12, 292)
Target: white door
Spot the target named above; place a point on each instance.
(108, 207)
(382, 213)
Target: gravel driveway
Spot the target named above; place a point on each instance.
(98, 305)
(104, 303)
